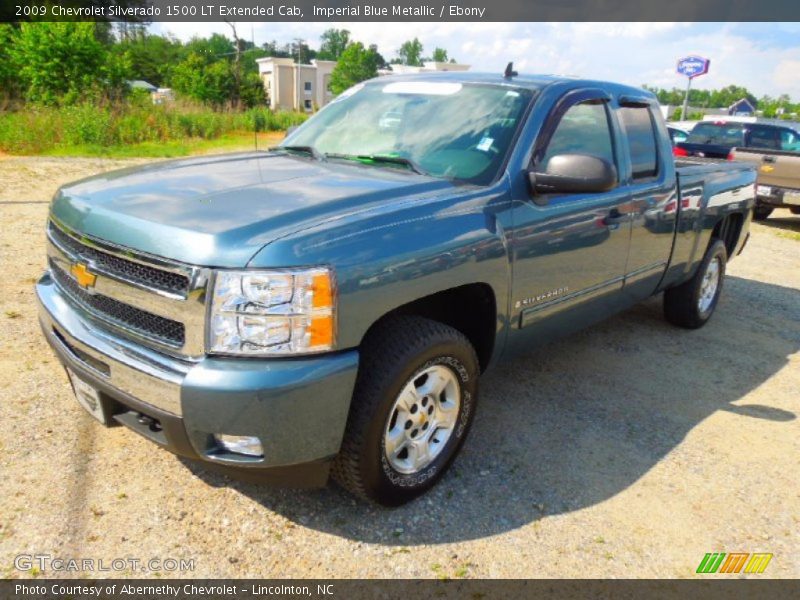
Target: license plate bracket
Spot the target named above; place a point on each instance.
(88, 397)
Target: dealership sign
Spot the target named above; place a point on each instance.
(693, 66)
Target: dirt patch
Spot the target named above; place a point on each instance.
(627, 450)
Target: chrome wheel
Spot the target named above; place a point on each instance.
(709, 285)
(422, 419)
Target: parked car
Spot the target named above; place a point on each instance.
(329, 306)
(677, 134)
(716, 139)
(778, 175)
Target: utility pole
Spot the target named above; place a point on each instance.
(684, 114)
(237, 73)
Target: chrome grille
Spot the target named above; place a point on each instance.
(128, 270)
(140, 321)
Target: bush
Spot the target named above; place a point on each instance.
(38, 129)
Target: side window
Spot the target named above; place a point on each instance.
(583, 129)
(790, 141)
(641, 134)
(764, 137)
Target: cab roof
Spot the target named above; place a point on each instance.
(533, 82)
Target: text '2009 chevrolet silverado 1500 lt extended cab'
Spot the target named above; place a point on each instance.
(327, 307)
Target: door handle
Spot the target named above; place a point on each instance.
(614, 219)
(768, 159)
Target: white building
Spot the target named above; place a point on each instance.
(292, 86)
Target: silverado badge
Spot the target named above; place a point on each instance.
(83, 275)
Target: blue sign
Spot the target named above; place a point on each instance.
(693, 66)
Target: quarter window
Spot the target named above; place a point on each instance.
(642, 141)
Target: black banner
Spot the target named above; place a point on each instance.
(398, 10)
(347, 589)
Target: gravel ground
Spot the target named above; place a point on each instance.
(628, 450)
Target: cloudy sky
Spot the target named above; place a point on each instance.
(764, 57)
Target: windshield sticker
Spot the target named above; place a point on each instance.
(422, 87)
(485, 144)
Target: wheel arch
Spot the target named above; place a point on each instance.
(470, 309)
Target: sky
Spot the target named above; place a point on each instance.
(763, 57)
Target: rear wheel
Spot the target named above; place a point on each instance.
(760, 213)
(692, 303)
(412, 408)
(795, 210)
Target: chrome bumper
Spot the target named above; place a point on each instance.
(151, 377)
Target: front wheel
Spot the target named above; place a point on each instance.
(413, 405)
(692, 303)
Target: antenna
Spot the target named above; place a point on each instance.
(510, 72)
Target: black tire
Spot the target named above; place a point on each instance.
(391, 356)
(795, 210)
(760, 213)
(682, 303)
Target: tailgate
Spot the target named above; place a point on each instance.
(775, 168)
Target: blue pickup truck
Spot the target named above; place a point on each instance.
(327, 307)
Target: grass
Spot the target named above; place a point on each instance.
(230, 142)
(131, 129)
(789, 235)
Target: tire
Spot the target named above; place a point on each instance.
(692, 303)
(401, 356)
(795, 210)
(760, 213)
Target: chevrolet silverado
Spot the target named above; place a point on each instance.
(327, 307)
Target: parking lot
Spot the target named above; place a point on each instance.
(628, 450)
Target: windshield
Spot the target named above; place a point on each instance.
(449, 130)
(720, 134)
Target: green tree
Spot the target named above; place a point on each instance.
(334, 43)
(212, 83)
(440, 55)
(355, 65)
(9, 82)
(211, 48)
(152, 57)
(64, 63)
(410, 53)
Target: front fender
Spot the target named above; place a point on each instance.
(385, 259)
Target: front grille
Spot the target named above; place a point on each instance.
(126, 269)
(123, 315)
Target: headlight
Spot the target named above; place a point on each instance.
(272, 313)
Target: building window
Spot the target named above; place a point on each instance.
(307, 104)
(307, 87)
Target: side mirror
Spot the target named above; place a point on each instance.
(574, 174)
(290, 131)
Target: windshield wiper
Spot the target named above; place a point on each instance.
(310, 150)
(382, 158)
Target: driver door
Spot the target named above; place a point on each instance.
(569, 251)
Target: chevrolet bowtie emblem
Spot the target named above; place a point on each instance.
(83, 275)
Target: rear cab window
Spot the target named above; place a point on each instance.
(720, 134)
(639, 128)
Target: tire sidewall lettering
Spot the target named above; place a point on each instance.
(467, 401)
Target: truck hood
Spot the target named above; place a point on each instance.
(219, 211)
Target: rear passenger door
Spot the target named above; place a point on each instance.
(653, 196)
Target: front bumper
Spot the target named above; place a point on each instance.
(297, 407)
